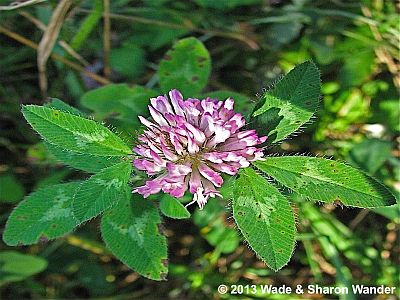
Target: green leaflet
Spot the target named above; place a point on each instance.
(264, 217)
(171, 207)
(327, 180)
(185, 67)
(289, 104)
(131, 230)
(102, 191)
(15, 266)
(73, 132)
(90, 164)
(43, 215)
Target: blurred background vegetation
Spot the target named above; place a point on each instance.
(252, 43)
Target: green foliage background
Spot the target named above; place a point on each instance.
(248, 45)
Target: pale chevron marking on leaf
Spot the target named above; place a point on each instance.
(74, 133)
(61, 209)
(102, 191)
(45, 213)
(289, 104)
(327, 180)
(131, 230)
(264, 217)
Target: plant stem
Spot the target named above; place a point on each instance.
(106, 39)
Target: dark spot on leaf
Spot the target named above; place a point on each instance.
(167, 57)
(43, 239)
(277, 220)
(161, 229)
(165, 262)
(201, 59)
(240, 213)
(259, 216)
(195, 78)
(114, 114)
(53, 225)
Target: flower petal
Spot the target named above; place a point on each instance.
(210, 174)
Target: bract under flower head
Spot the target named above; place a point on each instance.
(189, 143)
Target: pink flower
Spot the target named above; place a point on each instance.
(189, 143)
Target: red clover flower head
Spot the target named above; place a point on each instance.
(189, 143)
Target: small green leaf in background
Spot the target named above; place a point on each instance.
(93, 276)
(11, 190)
(289, 104)
(212, 223)
(129, 60)
(102, 191)
(90, 164)
(327, 180)
(357, 67)
(390, 114)
(88, 25)
(280, 34)
(173, 208)
(74, 133)
(54, 177)
(185, 67)
(131, 230)
(43, 215)
(120, 102)
(265, 218)
(15, 266)
(370, 154)
(224, 239)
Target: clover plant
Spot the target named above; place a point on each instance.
(202, 147)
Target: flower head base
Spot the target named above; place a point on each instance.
(189, 143)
